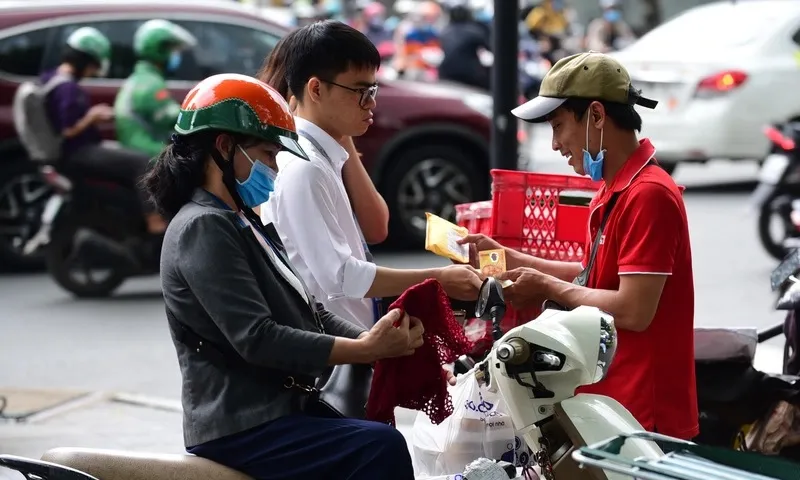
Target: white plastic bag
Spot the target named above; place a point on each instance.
(478, 427)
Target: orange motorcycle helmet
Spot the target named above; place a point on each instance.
(239, 104)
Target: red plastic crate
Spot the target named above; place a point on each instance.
(527, 215)
(476, 217)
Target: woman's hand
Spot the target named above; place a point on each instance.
(450, 376)
(385, 340)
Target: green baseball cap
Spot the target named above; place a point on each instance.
(590, 75)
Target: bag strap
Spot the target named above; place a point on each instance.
(583, 278)
(227, 358)
(54, 82)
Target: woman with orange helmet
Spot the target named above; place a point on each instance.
(250, 339)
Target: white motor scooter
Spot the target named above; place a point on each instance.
(536, 368)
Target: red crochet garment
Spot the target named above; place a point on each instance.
(418, 381)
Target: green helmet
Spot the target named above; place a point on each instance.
(156, 39)
(92, 42)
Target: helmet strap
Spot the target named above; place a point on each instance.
(229, 179)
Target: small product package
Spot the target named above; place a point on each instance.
(493, 263)
(441, 238)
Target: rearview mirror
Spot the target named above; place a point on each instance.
(491, 305)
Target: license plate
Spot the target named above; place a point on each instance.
(665, 93)
(774, 167)
(51, 209)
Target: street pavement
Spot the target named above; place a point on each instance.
(121, 345)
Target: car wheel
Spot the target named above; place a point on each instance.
(431, 178)
(23, 194)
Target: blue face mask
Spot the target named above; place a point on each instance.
(259, 184)
(612, 16)
(174, 61)
(593, 166)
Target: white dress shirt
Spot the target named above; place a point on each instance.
(312, 213)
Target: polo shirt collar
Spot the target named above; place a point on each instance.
(335, 152)
(633, 165)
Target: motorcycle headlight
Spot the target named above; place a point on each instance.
(608, 347)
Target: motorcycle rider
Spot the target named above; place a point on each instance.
(87, 53)
(373, 18)
(144, 110)
(461, 40)
(226, 277)
(420, 34)
(609, 32)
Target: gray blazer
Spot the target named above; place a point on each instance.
(213, 286)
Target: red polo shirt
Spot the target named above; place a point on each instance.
(652, 373)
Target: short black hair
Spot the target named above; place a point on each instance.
(622, 114)
(324, 50)
(79, 60)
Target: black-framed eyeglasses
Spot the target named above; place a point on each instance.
(367, 93)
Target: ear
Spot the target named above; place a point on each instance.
(598, 113)
(313, 89)
(224, 144)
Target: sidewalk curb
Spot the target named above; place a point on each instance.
(147, 401)
(80, 402)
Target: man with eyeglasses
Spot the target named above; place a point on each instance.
(331, 71)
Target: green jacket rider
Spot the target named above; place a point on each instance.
(145, 112)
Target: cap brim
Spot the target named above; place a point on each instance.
(291, 145)
(646, 102)
(537, 109)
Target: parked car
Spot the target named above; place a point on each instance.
(426, 151)
(721, 72)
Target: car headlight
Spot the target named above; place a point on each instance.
(608, 347)
(480, 103)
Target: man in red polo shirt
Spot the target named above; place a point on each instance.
(642, 270)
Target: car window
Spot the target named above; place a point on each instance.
(224, 48)
(716, 27)
(119, 32)
(23, 54)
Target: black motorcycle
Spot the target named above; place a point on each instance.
(93, 233)
(777, 195)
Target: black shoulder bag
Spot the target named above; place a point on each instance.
(583, 278)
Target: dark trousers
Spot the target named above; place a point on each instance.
(303, 447)
(120, 164)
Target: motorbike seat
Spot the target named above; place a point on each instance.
(126, 465)
(725, 344)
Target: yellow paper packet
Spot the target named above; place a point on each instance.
(493, 263)
(441, 237)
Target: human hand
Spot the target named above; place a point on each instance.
(462, 282)
(527, 289)
(478, 242)
(385, 340)
(347, 143)
(101, 112)
(292, 103)
(450, 376)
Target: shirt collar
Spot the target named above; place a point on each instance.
(633, 165)
(335, 152)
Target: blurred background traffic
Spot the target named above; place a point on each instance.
(721, 70)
